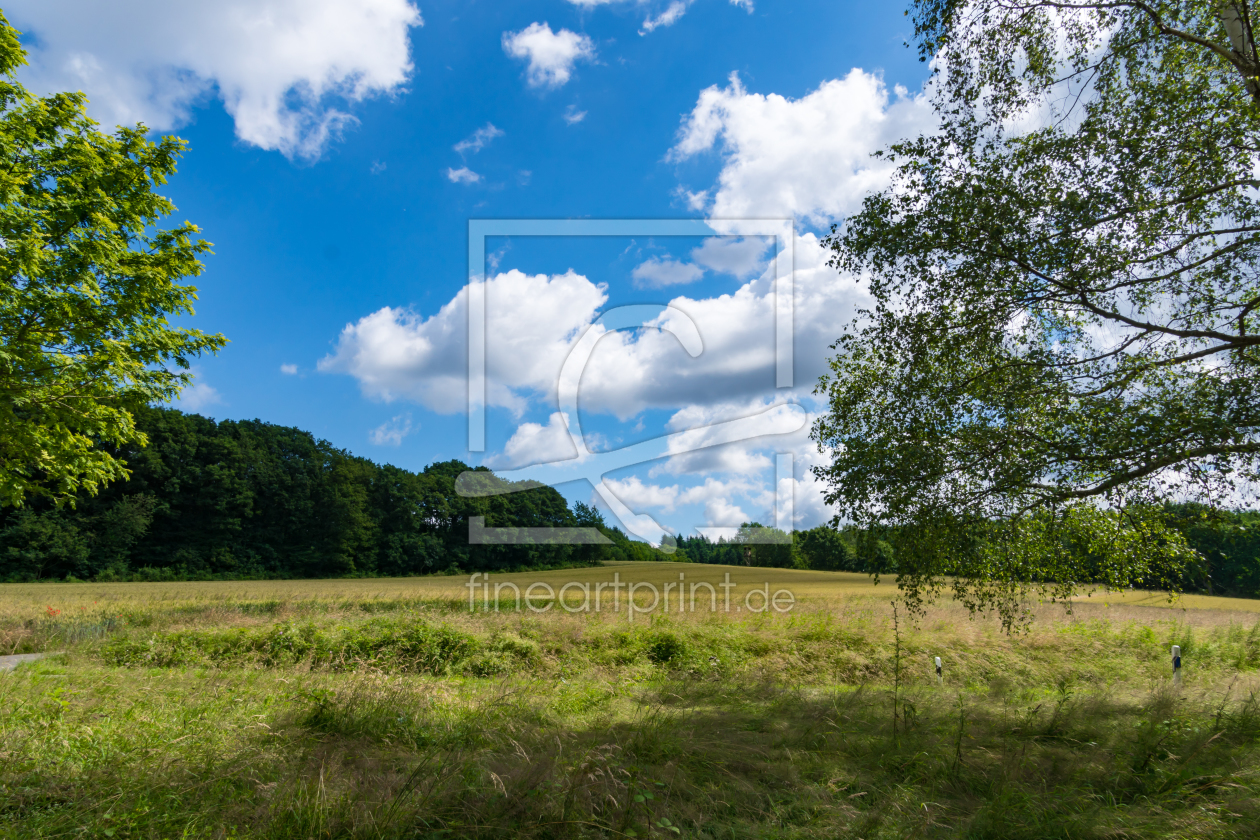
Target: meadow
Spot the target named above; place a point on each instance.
(387, 708)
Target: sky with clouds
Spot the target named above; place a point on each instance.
(339, 148)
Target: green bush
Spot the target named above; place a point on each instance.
(401, 645)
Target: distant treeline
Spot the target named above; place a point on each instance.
(247, 499)
(1227, 543)
(821, 548)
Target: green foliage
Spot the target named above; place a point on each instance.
(1065, 282)
(251, 499)
(824, 549)
(1227, 549)
(89, 282)
(39, 543)
(753, 544)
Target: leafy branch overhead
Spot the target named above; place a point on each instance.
(89, 283)
(1065, 288)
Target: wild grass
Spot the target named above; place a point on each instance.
(387, 714)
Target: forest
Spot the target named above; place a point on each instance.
(248, 499)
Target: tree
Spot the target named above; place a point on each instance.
(87, 283)
(824, 549)
(248, 499)
(760, 545)
(1064, 274)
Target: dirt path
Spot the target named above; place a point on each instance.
(8, 663)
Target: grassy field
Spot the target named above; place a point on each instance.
(389, 709)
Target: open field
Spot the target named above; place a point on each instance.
(387, 709)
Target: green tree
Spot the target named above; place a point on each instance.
(824, 549)
(88, 281)
(760, 545)
(1064, 274)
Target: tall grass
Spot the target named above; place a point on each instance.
(392, 717)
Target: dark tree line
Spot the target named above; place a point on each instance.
(1228, 547)
(250, 499)
(1226, 544)
(821, 548)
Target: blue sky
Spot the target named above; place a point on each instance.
(339, 149)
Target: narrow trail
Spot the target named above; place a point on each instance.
(8, 663)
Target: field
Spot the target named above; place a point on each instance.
(390, 709)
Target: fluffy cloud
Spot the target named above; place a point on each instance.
(640, 496)
(657, 273)
(808, 157)
(532, 324)
(534, 443)
(550, 55)
(751, 461)
(479, 139)
(391, 433)
(573, 116)
(278, 65)
(531, 321)
(628, 374)
(741, 256)
(289, 370)
(463, 175)
(199, 395)
(691, 451)
(722, 512)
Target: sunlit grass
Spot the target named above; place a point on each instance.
(388, 709)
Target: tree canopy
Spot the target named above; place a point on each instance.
(1064, 275)
(248, 499)
(88, 281)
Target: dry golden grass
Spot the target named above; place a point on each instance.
(381, 709)
(814, 590)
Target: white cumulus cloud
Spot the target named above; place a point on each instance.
(550, 55)
(721, 512)
(289, 370)
(639, 496)
(199, 395)
(807, 157)
(284, 69)
(741, 256)
(531, 321)
(656, 273)
(534, 443)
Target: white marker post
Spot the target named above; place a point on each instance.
(939, 680)
(1176, 657)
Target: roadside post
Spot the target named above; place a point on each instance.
(1176, 663)
(939, 680)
